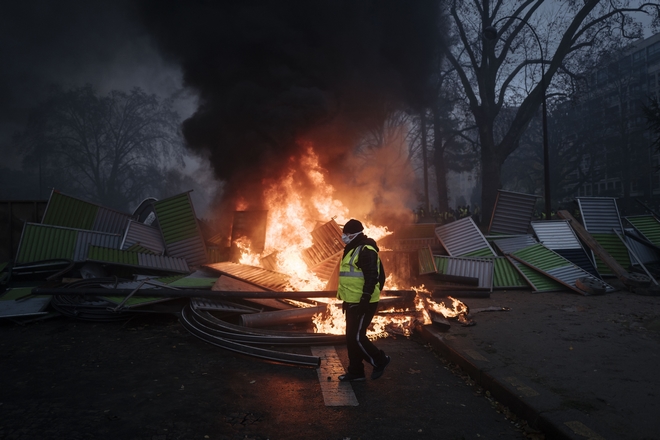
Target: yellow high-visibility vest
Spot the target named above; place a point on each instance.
(351, 278)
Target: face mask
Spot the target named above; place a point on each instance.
(347, 238)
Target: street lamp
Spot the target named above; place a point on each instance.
(490, 33)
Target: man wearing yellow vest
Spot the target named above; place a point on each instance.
(361, 278)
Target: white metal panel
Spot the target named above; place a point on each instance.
(481, 268)
(512, 213)
(110, 221)
(556, 234)
(513, 244)
(462, 237)
(144, 235)
(192, 249)
(87, 238)
(600, 215)
(163, 263)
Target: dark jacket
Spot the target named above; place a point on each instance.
(367, 263)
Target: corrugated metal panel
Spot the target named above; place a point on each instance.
(648, 227)
(144, 235)
(485, 252)
(505, 275)
(257, 276)
(195, 282)
(615, 248)
(138, 248)
(106, 255)
(426, 261)
(554, 265)
(538, 281)
(645, 253)
(541, 257)
(45, 242)
(192, 249)
(176, 218)
(39, 242)
(569, 274)
(600, 215)
(324, 270)
(70, 212)
(101, 239)
(481, 268)
(512, 213)
(134, 259)
(513, 244)
(556, 234)
(10, 308)
(462, 237)
(162, 262)
(580, 258)
(326, 244)
(181, 233)
(252, 225)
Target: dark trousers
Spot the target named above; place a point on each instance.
(359, 346)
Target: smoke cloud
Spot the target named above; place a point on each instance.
(273, 76)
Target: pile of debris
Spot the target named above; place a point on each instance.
(88, 262)
(554, 255)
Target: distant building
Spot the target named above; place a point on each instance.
(609, 135)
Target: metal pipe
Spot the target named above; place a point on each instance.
(280, 317)
(289, 358)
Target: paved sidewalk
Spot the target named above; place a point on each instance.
(576, 367)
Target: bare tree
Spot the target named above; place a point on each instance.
(112, 149)
(505, 71)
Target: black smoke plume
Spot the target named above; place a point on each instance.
(270, 73)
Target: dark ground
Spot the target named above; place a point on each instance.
(150, 379)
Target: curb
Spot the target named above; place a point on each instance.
(500, 390)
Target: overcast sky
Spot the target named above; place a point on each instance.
(72, 43)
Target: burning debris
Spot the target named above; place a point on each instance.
(276, 282)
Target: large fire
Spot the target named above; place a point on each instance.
(293, 212)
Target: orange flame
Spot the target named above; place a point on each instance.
(293, 211)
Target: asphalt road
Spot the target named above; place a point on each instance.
(149, 379)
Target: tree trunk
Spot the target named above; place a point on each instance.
(427, 203)
(440, 166)
(491, 170)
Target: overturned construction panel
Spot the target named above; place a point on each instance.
(538, 281)
(181, 233)
(600, 215)
(134, 259)
(513, 244)
(257, 276)
(506, 276)
(558, 236)
(512, 213)
(44, 242)
(252, 226)
(70, 212)
(18, 302)
(616, 249)
(480, 268)
(643, 250)
(426, 261)
(648, 227)
(326, 250)
(143, 235)
(553, 265)
(462, 237)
